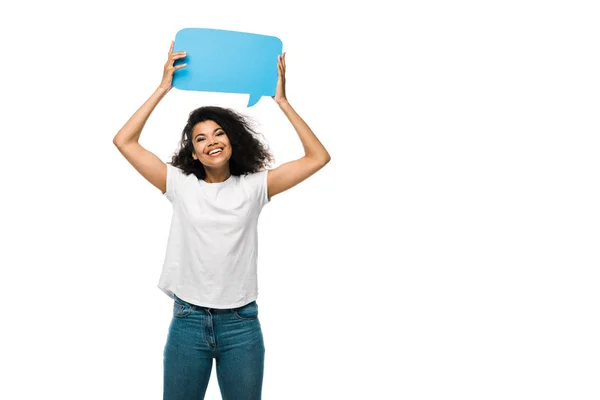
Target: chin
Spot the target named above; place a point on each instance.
(214, 163)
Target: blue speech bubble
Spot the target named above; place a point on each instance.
(227, 61)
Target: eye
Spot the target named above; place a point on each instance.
(218, 134)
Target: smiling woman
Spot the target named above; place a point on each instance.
(218, 183)
(211, 128)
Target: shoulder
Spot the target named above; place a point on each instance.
(177, 172)
(255, 178)
(176, 180)
(257, 185)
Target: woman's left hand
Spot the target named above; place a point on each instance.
(280, 92)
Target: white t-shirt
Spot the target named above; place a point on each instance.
(212, 250)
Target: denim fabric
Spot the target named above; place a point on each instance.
(233, 337)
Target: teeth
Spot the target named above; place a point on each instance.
(215, 151)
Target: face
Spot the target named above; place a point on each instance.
(206, 137)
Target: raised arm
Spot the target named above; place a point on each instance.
(127, 139)
(315, 155)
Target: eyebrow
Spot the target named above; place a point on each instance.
(204, 134)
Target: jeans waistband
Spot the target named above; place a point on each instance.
(212, 310)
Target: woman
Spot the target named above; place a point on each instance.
(217, 184)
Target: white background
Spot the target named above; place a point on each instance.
(450, 249)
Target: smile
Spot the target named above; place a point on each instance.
(215, 153)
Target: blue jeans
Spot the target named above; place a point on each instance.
(197, 335)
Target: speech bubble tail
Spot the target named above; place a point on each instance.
(253, 99)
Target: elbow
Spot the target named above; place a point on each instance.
(119, 138)
(320, 160)
(116, 140)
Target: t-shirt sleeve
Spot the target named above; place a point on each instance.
(257, 182)
(175, 178)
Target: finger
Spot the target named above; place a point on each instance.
(280, 64)
(179, 67)
(171, 48)
(174, 58)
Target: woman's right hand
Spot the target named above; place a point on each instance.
(169, 69)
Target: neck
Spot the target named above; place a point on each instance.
(216, 176)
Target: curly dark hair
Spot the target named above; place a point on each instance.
(248, 153)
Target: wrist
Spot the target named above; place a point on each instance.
(162, 90)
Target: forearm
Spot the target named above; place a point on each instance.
(131, 131)
(312, 146)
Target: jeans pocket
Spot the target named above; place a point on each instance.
(181, 309)
(247, 312)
